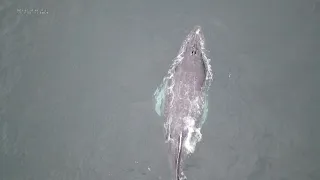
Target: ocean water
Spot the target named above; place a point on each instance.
(76, 79)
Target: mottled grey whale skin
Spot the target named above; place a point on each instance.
(187, 82)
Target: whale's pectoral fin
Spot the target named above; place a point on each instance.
(159, 99)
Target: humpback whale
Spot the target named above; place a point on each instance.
(182, 99)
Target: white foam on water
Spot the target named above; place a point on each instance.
(193, 135)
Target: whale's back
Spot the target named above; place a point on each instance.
(182, 100)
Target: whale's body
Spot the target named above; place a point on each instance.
(182, 100)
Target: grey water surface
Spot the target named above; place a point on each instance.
(77, 77)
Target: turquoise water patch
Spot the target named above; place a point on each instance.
(205, 111)
(159, 99)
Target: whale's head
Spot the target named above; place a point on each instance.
(192, 53)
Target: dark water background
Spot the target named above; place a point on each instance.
(76, 86)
